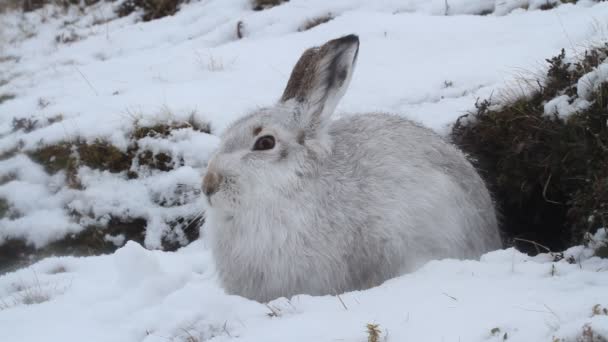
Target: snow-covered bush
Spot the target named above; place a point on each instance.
(545, 154)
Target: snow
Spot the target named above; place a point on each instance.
(142, 295)
(561, 105)
(38, 198)
(586, 86)
(590, 82)
(121, 73)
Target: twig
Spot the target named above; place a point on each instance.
(553, 312)
(273, 313)
(239, 29)
(226, 329)
(545, 190)
(341, 301)
(536, 244)
(453, 298)
(86, 80)
(190, 338)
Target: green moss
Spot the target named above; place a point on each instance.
(549, 176)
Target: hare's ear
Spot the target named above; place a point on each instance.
(320, 78)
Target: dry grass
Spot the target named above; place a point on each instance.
(599, 310)
(213, 63)
(28, 294)
(590, 335)
(373, 332)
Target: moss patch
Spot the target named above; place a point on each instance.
(549, 175)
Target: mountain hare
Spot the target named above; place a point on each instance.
(301, 203)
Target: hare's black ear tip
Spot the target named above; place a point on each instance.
(351, 39)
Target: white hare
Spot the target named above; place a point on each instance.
(301, 203)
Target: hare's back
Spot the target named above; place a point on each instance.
(410, 174)
(392, 141)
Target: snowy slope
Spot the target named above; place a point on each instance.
(414, 61)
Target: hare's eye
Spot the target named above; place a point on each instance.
(264, 143)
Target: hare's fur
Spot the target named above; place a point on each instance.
(338, 205)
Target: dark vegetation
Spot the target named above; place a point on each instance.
(152, 9)
(6, 97)
(259, 5)
(549, 175)
(32, 5)
(314, 22)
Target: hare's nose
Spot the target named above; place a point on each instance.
(211, 183)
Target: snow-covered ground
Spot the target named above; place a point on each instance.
(142, 295)
(119, 73)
